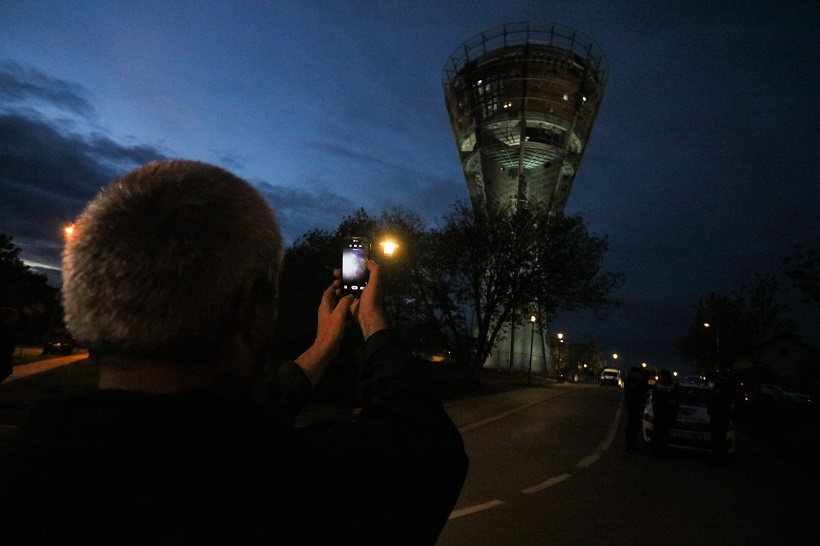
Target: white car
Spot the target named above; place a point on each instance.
(782, 394)
(611, 376)
(692, 428)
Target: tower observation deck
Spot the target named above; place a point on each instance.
(522, 99)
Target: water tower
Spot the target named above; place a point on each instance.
(522, 99)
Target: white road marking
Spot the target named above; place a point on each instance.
(549, 483)
(612, 431)
(494, 418)
(473, 509)
(583, 463)
(587, 461)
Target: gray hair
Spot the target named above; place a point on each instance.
(158, 259)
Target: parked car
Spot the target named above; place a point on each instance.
(611, 376)
(694, 380)
(61, 345)
(780, 394)
(692, 427)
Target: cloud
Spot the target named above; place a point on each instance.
(18, 84)
(48, 174)
(383, 182)
(300, 210)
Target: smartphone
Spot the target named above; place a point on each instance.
(355, 253)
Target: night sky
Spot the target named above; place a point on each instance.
(701, 169)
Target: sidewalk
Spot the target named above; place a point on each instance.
(25, 370)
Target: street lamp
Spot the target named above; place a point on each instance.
(717, 343)
(389, 247)
(532, 337)
(68, 231)
(560, 337)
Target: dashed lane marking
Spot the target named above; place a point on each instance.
(473, 509)
(498, 417)
(583, 463)
(587, 461)
(549, 483)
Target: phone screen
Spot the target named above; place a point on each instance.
(354, 265)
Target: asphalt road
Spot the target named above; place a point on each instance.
(548, 466)
(47, 362)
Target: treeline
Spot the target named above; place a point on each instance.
(452, 288)
(727, 327)
(39, 312)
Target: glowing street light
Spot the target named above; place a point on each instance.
(560, 363)
(532, 337)
(388, 247)
(69, 231)
(717, 342)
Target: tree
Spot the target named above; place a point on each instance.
(573, 356)
(307, 270)
(26, 291)
(479, 267)
(453, 287)
(737, 323)
(803, 268)
(310, 261)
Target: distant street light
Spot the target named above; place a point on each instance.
(69, 231)
(560, 344)
(532, 337)
(717, 343)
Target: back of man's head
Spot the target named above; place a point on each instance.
(157, 261)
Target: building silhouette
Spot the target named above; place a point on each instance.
(522, 99)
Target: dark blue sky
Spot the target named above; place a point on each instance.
(702, 167)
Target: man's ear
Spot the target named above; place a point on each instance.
(257, 311)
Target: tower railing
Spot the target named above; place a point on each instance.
(517, 34)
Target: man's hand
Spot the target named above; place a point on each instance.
(368, 311)
(332, 319)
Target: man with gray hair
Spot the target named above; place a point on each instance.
(171, 279)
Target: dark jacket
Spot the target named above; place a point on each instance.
(636, 387)
(665, 397)
(222, 467)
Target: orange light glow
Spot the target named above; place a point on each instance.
(388, 247)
